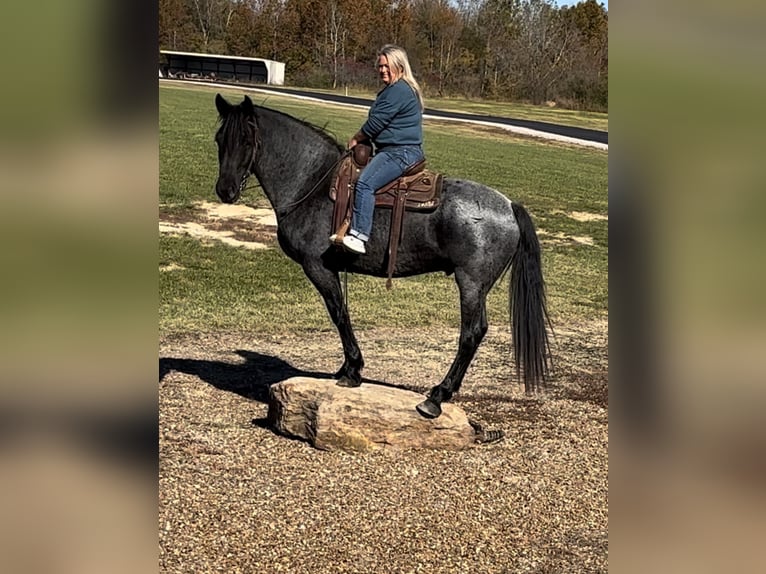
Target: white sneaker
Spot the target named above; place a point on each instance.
(333, 238)
(354, 244)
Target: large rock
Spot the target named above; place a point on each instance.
(364, 418)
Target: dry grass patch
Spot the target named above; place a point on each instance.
(237, 225)
(585, 216)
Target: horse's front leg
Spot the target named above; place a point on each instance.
(328, 284)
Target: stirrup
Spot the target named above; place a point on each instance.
(337, 237)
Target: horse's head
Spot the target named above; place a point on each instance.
(237, 145)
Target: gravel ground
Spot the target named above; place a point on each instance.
(235, 497)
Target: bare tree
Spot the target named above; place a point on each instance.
(438, 26)
(497, 22)
(541, 48)
(337, 34)
(213, 18)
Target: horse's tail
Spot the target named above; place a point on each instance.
(529, 313)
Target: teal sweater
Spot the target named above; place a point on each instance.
(395, 117)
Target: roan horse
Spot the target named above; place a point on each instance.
(475, 233)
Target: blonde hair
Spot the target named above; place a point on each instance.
(397, 59)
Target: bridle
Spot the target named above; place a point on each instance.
(256, 145)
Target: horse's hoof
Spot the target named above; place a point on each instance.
(429, 409)
(341, 372)
(344, 381)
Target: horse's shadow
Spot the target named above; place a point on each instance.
(250, 379)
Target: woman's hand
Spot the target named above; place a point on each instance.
(358, 138)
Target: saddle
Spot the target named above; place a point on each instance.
(418, 189)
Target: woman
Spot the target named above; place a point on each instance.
(395, 127)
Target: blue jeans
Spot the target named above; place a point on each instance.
(386, 165)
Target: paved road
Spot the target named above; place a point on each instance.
(576, 133)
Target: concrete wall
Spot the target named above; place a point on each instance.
(276, 72)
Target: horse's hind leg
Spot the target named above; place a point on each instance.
(328, 284)
(473, 327)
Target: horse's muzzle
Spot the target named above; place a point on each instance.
(227, 193)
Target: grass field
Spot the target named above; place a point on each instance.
(213, 287)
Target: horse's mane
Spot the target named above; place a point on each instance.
(236, 122)
(322, 131)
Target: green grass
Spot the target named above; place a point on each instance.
(212, 287)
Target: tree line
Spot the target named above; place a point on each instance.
(513, 50)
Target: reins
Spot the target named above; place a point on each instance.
(286, 209)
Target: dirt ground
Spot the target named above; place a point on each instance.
(236, 497)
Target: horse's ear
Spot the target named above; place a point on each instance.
(222, 105)
(247, 103)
